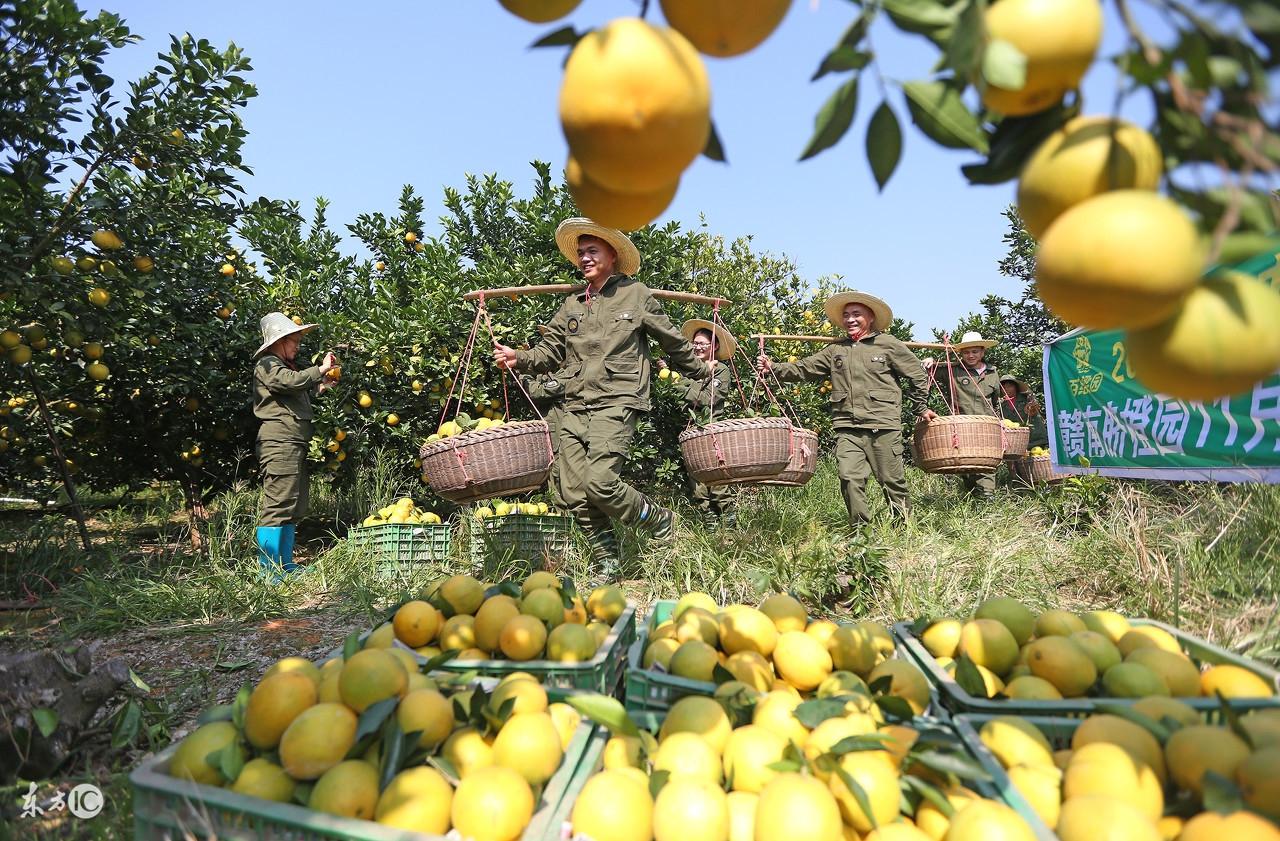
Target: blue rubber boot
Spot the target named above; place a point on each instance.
(270, 564)
(286, 549)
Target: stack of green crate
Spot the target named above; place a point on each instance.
(958, 700)
(402, 546)
(166, 807)
(526, 537)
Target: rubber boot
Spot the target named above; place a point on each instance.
(606, 560)
(659, 522)
(286, 548)
(270, 560)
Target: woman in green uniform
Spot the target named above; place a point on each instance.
(282, 401)
(974, 387)
(1017, 403)
(707, 396)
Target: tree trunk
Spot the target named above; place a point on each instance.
(197, 515)
(70, 487)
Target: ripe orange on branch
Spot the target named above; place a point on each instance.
(1086, 157)
(540, 11)
(1058, 38)
(724, 28)
(1121, 259)
(624, 211)
(635, 105)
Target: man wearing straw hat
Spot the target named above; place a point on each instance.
(971, 387)
(1017, 403)
(864, 367)
(598, 343)
(282, 401)
(711, 343)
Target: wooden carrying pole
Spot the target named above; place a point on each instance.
(788, 337)
(566, 288)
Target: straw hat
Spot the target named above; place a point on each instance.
(568, 231)
(835, 305)
(1023, 388)
(275, 326)
(726, 344)
(974, 339)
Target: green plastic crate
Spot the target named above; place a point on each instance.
(528, 537)
(399, 544)
(165, 808)
(961, 701)
(1057, 730)
(653, 691)
(604, 673)
(593, 760)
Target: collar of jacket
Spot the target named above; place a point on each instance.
(846, 340)
(613, 281)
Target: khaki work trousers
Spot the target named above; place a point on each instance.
(593, 448)
(862, 453)
(285, 491)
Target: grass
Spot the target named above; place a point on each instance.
(1200, 556)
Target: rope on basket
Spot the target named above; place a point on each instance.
(506, 399)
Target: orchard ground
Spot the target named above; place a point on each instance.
(194, 629)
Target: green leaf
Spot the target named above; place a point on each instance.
(657, 780)
(1013, 142)
(128, 723)
(930, 793)
(374, 716)
(1220, 794)
(922, 17)
(233, 666)
(963, 46)
(884, 144)
(920, 625)
(864, 742)
(881, 685)
(895, 706)
(351, 645)
(46, 720)
(568, 587)
(952, 763)
(440, 659)
(565, 36)
(605, 711)
(813, 712)
(138, 682)
(842, 59)
(969, 678)
(218, 712)
(1242, 245)
(939, 112)
(239, 706)
(719, 675)
(714, 149)
(1004, 65)
(859, 794)
(445, 767)
(833, 119)
(231, 761)
(302, 793)
(785, 766)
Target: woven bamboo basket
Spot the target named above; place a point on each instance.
(509, 459)
(1033, 470)
(959, 444)
(1016, 439)
(804, 460)
(735, 452)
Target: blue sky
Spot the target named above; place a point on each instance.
(356, 100)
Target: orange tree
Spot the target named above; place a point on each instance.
(397, 319)
(118, 281)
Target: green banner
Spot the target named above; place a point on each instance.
(1102, 420)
